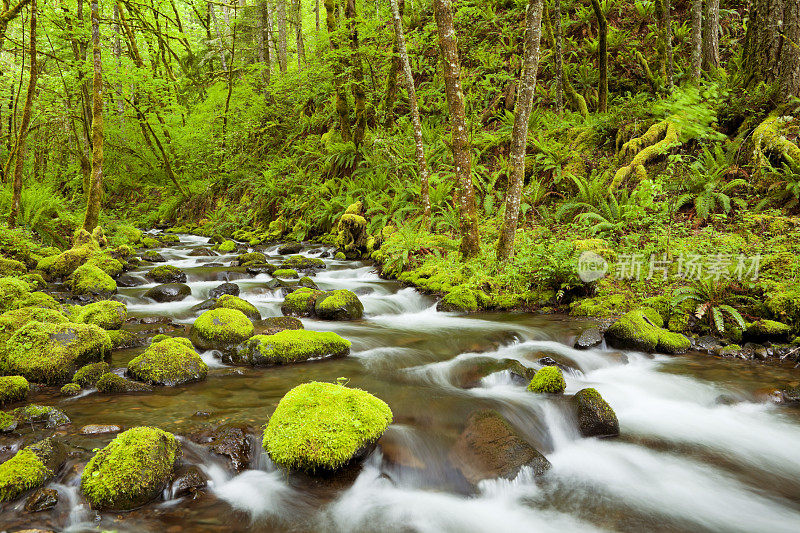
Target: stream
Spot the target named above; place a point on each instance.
(701, 447)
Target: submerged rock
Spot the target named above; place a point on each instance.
(170, 361)
(225, 288)
(169, 292)
(595, 417)
(490, 448)
(188, 483)
(642, 330)
(100, 429)
(321, 427)
(338, 305)
(291, 346)
(132, 470)
(589, 338)
(166, 274)
(221, 329)
(549, 380)
(29, 468)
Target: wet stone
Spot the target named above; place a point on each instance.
(169, 292)
(41, 500)
(127, 280)
(153, 257)
(290, 248)
(188, 483)
(589, 339)
(230, 440)
(202, 252)
(225, 288)
(100, 429)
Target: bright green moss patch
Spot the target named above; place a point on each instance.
(10, 267)
(106, 263)
(221, 329)
(88, 375)
(338, 305)
(292, 346)
(166, 274)
(107, 314)
(149, 242)
(13, 389)
(548, 379)
(170, 362)
(642, 329)
(8, 422)
(38, 299)
(461, 299)
(228, 301)
(70, 389)
(339, 256)
(300, 302)
(110, 383)
(65, 263)
(12, 290)
(88, 279)
(252, 257)
(21, 473)
(769, 330)
(287, 273)
(132, 470)
(322, 426)
(11, 321)
(227, 247)
(301, 262)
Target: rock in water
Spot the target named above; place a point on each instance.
(321, 427)
(41, 500)
(642, 330)
(225, 288)
(595, 417)
(110, 383)
(232, 441)
(339, 305)
(290, 248)
(548, 380)
(276, 324)
(169, 292)
(228, 301)
(167, 274)
(300, 302)
(291, 346)
(589, 338)
(490, 448)
(30, 467)
(221, 329)
(171, 361)
(89, 280)
(106, 314)
(132, 470)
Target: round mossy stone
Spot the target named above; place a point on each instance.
(70, 389)
(286, 273)
(23, 472)
(595, 417)
(171, 361)
(88, 375)
(221, 329)
(323, 426)
(13, 389)
(166, 274)
(548, 379)
(300, 302)
(107, 314)
(228, 301)
(339, 305)
(291, 346)
(90, 280)
(132, 470)
(227, 247)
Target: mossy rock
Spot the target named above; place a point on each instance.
(352, 233)
(29, 468)
(107, 264)
(39, 299)
(51, 353)
(90, 280)
(642, 330)
(227, 247)
(221, 329)
(41, 414)
(595, 417)
(13, 389)
(461, 299)
(62, 265)
(132, 470)
(170, 362)
(169, 292)
(151, 256)
(107, 314)
(302, 263)
(110, 383)
(228, 301)
(285, 273)
(549, 380)
(320, 427)
(340, 304)
(166, 274)
(768, 330)
(70, 389)
(121, 338)
(34, 280)
(12, 291)
(289, 248)
(308, 283)
(252, 258)
(300, 302)
(276, 324)
(149, 242)
(87, 375)
(291, 346)
(339, 256)
(123, 251)
(10, 267)
(13, 320)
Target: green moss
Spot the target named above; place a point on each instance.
(11, 321)
(132, 470)
(340, 304)
(322, 426)
(13, 389)
(339, 256)
(601, 307)
(88, 375)
(221, 329)
(65, 263)
(106, 263)
(352, 232)
(8, 422)
(461, 299)
(34, 280)
(300, 302)
(768, 328)
(228, 301)
(170, 362)
(10, 267)
(70, 389)
(252, 257)
(38, 299)
(107, 314)
(88, 279)
(292, 346)
(166, 274)
(50, 353)
(548, 379)
(120, 337)
(595, 417)
(307, 282)
(21, 473)
(149, 242)
(12, 290)
(285, 273)
(110, 383)
(301, 263)
(123, 251)
(227, 247)
(642, 329)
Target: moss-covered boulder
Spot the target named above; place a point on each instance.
(642, 330)
(111, 266)
(276, 324)
(595, 417)
(339, 256)
(88, 280)
(13, 389)
(548, 380)
(285, 273)
(251, 258)
(87, 375)
(70, 389)
(151, 256)
(320, 427)
(307, 282)
(338, 305)
(51, 353)
(12, 290)
(10, 267)
(303, 264)
(227, 247)
(171, 361)
(289, 248)
(461, 299)
(300, 302)
(13, 320)
(150, 242)
(107, 314)
(48, 415)
(352, 234)
(132, 470)
(166, 274)
(768, 331)
(221, 329)
(29, 468)
(62, 265)
(291, 346)
(169, 292)
(227, 301)
(111, 383)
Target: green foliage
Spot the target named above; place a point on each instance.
(711, 298)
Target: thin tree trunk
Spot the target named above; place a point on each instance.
(24, 123)
(96, 188)
(519, 135)
(263, 44)
(394, 68)
(359, 94)
(667, 26)
(697, 39)
(230, 85)
(462, 158)
(711, 37)
(298, 33)
(790, 72)
(416, 124)
(559, 57)
(342, 107)
(213, 16)
(281, 13)
(316, 14)
(602, 27)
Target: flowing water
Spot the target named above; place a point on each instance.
(701, 448)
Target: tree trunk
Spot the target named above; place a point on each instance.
(298, 33)
(342, 107)
(462, 158)
(214, 21)
(96, 188)
(772, 46)
(359, 95)
(394, 68)
(697, 39)
(519, 135)
(263, 44)
(602, 27)
(711, 35)
(281, 13)
(416, 124)
(559, 57)
(316, 14)
(24, 123)
(667, 26)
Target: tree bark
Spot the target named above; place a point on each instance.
(559, 57)
(263, 44)
(462, 159)
(394, 68)
(772, 47)
(668, 60)
(215, 22)
(96, 188)
(711, 36)
(602, 27)
(298, 33)
(342, 106)
(697, 40)
(281, 14)
(24, 123)
(416, 124)
(359, 94)
(519, 135)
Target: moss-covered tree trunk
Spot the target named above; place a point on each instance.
(342, 106)
(519, 135)
(711, 35)
(359, 94)
(559, 56)
(213, 15)
(666, 24)
(416, 124)
(602, 28)
(697, 40)
(577, 101)
(772, 46)
(96, 187)
(462, 159)
(281, 20)
(263, 44)
(297, 15)
(394, 68)
(24, 122)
